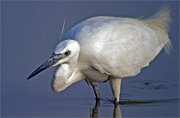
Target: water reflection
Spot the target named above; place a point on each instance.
(117, 111)
(94, 111)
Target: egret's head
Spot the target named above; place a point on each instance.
(66, 51)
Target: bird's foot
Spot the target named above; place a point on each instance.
(116, 104)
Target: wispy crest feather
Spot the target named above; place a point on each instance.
(62, 31)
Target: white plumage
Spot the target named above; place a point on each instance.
(108, 48)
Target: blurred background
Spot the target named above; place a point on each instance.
(29, 32)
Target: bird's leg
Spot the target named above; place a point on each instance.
(96, 91)
(115, 86)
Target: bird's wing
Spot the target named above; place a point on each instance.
(123, 50)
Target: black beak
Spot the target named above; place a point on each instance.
(50, 62)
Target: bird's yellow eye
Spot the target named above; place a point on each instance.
(67, 53)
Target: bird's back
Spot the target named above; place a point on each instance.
(120, 47)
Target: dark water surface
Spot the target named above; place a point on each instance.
(29, 33)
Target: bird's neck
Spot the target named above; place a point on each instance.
(64, 71)
(62, 75)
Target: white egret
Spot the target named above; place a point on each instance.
(108, 48)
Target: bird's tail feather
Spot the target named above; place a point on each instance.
(162, 19)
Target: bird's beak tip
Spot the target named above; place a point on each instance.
(28, 78)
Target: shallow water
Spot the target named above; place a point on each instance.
(75, 103)
(30, 31)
